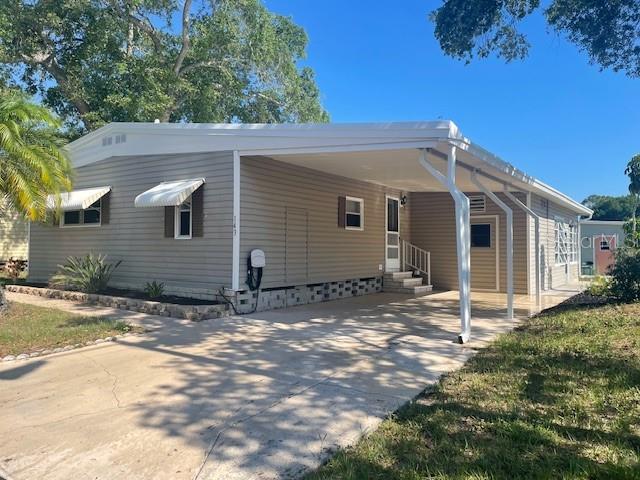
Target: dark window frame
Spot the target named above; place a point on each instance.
(82, 217)
(481, 239)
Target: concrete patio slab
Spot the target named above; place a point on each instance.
(268, 395)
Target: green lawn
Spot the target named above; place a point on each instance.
(27, 328)
(557, 398)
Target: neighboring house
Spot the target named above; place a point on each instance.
(334, 208)
(14, 234)
(599, 240)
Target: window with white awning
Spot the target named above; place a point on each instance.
(78, 199)
(83, 207)
(183, 204)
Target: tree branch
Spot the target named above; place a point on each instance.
(51, 66)
(142, 22)
(204, 64)
(186, 40)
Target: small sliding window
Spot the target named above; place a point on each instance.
(87, 217)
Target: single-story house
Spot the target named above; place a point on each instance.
(14, 234)
(337, 209)
(599, 240)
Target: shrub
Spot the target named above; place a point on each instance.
(154, 289)
(600, 286)
(88, 274)
(14, 267)
(625, 281)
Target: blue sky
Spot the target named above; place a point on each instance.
(552, 115)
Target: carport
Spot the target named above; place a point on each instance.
(424, 157)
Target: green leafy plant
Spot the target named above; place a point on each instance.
(14, 267)
(625, 275)
(88, 274)
(95, 62)
(600, 287)
(154, 289)
(632, 228)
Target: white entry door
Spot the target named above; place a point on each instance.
(392, 241)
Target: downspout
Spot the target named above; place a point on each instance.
(509, 214)
(536, 220)
(463, 236)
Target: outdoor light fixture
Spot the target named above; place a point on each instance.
(403, 200)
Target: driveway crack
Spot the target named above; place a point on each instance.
(114, 385)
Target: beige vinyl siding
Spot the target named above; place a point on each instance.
(433, 229)
(136, 235)
(553, 275)
(14, 233)
(273, 191)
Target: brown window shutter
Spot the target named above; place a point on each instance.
(105, 209)
(197, 213)
(342, 212)
(169, 222)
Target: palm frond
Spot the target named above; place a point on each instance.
(33, 164)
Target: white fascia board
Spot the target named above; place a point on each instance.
(364, 147)
(603, 222)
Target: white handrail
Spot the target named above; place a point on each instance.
(416, 259)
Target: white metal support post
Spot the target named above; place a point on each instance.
(509, 214)
(463, 236)
(235, 256)
(536, 220)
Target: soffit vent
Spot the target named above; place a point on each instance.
(477, 203)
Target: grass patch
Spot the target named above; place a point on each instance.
(27, 328)
(557, 398)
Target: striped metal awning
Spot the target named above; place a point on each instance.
(78, 199)
(168, 194)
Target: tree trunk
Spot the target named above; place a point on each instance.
(3, 300)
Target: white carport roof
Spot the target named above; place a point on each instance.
(383, 153)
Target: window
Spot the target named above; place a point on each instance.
(566, 242)
(354, 213)
(481, 235)
(573, 243)
(90, 216)
(183, 220)
(604, 245)
(477, 203)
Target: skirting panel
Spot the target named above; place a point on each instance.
(272, 299)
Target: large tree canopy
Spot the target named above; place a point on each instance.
(607, 207)
(608, 31)
(96, 61)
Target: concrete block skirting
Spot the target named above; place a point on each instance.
(190, 312)
(272, 299)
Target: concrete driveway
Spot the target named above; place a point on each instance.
(262, 396)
